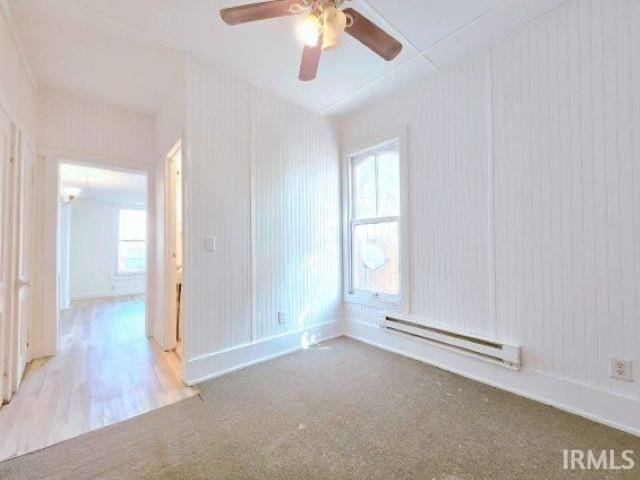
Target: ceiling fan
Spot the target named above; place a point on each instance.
(320, 30)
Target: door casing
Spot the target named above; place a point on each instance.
(16, 254)
(170, 248)
(7, 146)
(22, 302)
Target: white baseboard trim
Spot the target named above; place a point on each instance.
(583, 400)
(604, 407)
(220, 363)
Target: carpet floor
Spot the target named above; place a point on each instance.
(339, 410)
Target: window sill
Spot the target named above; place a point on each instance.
(128, 275)
(386, 304)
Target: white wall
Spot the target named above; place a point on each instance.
(92, 258)
(524, 176)
(83, 126)
(262, 177)
(567, 190)
(169, 121)
(296, 227)
(447, 127)
(18, 89)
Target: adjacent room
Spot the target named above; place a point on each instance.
(103, 215)
(320, 239)
(106, 369)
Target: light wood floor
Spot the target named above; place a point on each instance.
(106, 371)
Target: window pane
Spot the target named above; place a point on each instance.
(132, 225)
(375, 258)
(131, 257)
(388, 185)
(364, 188)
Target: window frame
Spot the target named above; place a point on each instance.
(116, 218)
(389, 302)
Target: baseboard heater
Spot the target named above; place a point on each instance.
(500, 353)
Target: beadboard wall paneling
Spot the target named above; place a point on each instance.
(218, 185)
(28, 106)
(84, 126)
(567, 190)
(296, 217)
(448, 201)
(169, 120)
(558, 215)
(262, 177)
(18, 91)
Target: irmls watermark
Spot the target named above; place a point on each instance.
(598, 460)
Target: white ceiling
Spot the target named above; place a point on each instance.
(105, 185)
(75, 50)
(127, 51)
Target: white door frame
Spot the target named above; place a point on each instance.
(6, 260)
(165, 313)
(169, 248)
(16, 330)
(54, 158)
(21, 249)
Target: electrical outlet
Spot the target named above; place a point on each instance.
(209, 244)
(621, 369)
(282, 320)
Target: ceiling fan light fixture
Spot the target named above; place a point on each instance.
(309, 30)
(335, 21)
(320, 30)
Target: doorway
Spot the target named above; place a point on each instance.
(102, 214)
(174, 252)
(106, 369)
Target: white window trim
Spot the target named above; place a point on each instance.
(391, 303)
(116, 241)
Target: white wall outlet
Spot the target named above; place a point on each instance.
(621, 369)
(282, 320)
(209, 244)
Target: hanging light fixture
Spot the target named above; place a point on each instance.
(335, 21)
(321, 28)
(309, 30)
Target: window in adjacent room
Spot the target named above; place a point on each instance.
(375, 233)
(132, 240)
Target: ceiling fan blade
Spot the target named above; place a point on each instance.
(310, 62)
(372, 36)
(260, 11)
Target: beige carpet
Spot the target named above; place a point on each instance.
(341, 410)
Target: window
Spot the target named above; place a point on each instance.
(374, 228)
(132, 241)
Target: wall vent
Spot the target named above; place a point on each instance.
(483, 348)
